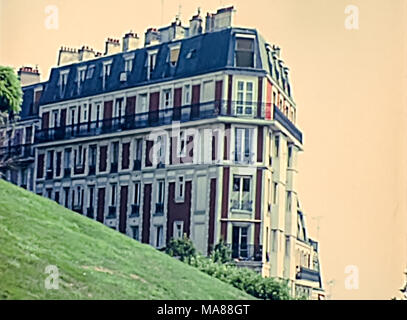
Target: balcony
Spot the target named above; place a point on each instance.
(135, 210)
(248, 252)
(111, 213)
(307, 274)
(159, 209)
(291, 128)
(21, 152)
(206, 110)
(90, 211)
(79, 169)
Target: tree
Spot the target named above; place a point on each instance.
(11, 98)
(11, 95)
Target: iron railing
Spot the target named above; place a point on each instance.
(205, 110)
(307, 274)
(21, 151)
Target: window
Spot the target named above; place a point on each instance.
(78, 157)
(208, 92)
(92, 156)
(174, 54)
(113, 191)
(136, 232)
(159, 232)
(67, 158)
(138, 149)
(178, 229)
(128, 65)
(160, 191)
(151, 60)
(288, 207)
(72, 116)
(167, 99)
(187, 94)
(182, 145)
(91, 194)
(63, 80)
(137, 190)
(85, 112)
(66, 197)
(91, 71)
(275, 194)
(239, 242)
(244, 101)
(142, 103)
(81, 77)
(287, 245)
(160, 150)
(118, 108)
(245, 52)
(106, 69)
(241, 193)
(50, 160)
(270, 148)
(115, 157)
(55, 116)
(243, 145)
(276, 146)
(180, 189)
(289, 158)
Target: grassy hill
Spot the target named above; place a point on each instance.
(94, 262)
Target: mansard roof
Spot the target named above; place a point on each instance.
(200, 54)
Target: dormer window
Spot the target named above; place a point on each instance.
(174, 55)
(106, 69)
(128, 62)
(151, 60)
(91, 71)
(63, 81)
(81, 77)
(244, 52)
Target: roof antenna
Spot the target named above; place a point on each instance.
(162, 12)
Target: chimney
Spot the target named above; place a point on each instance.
(152, 37)
(222, 19)
(276, 51)
(130, 41)
(86, 53)
(67, 56)
(195, 24)
(28, 76)
(209, 22)
(112, 46)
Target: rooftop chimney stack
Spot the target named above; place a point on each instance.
(67, 56)
(112, 46)
(130, 41)
(152, 37)
(195, 24)
(86, 53)
(222, 19)
(28, 76)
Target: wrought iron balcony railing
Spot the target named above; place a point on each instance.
(205, 110)
(112, 212)
(304, 273)
(21, 151)
(159, 208)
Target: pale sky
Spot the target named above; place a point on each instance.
(348, 86)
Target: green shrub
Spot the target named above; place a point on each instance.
(244, 279)
(182, 248)
(221, 253)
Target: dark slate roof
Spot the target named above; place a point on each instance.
(209, 52)
(27, 108)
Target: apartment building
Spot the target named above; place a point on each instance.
(192, 133)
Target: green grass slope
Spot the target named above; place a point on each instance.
(94, 262)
